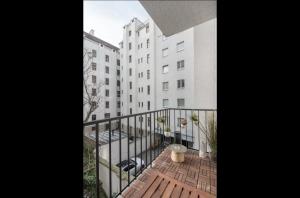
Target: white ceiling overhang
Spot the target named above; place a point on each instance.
(175, 16)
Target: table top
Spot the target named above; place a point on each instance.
(178, 148)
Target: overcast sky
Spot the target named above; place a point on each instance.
(107, 18)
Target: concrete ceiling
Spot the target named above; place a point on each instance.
(175, 16)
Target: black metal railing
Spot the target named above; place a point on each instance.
(156, 134)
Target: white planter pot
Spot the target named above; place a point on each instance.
(167, 134)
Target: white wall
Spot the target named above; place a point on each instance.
(205, 75)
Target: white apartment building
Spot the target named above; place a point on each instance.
(105, 69)
(158, 72)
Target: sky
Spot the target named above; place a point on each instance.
(107, 18)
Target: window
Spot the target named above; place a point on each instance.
(119, 114)
(129, 33)
(118, 72)
(139, 89)
(94, 80)
(142, 89)
(148, 89)
(93, 117)
(94, 92)
(138, 61)
(130, 71)
(180, 83)
(180, 102)
(148, 74)
(129, 58)
(138, 46)
(165, 86)
(142, 104)
(106, 58)
(180, 64)
(106, 69)
(148, 121)
(141, 74)
(94, 54)
(148, 58)
(118, 61)
(118, 104)
(148, 43)
(130, 110)
(130, 98)
(141, 59)
(118, 83)
(107, 115)
(107, 92)
(130, 85)
(107, 81)
(94, 66)
(139, 104)
(165, 69)
(118, 93)
(129, 46)
(121, 44)
(165, 102)
(107, 104)
(141, 45)
(165, 52)
(138, 33)
(147, 28)
(180, 46)
(148, 105)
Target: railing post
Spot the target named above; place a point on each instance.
(146, 131)
(109, 142)
(199, 138)
(120, 157)
(97, 161)
(135, 144)
(150, 143)
(186, 141)
(154, 128)
(128, 175)
(141, 132)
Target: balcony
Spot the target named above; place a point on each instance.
(141, 144)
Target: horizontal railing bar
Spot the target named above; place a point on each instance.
(137, 114)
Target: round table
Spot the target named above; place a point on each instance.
(177, 154)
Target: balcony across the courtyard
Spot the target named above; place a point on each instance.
(195, 177)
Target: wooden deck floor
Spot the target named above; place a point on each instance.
(194, 178)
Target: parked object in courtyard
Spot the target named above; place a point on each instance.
(139, 164)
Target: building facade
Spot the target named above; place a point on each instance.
(159, 72)
(105, 69)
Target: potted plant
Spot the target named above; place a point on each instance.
(161, 121)
(210, 132)
(167, 132)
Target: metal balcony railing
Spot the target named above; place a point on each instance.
(172, 117)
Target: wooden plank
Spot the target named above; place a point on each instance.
(185, 193)
(148, 183)
(153, 187)
(194, 194)
(176, 191)
(161, 188)
(168, 191)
